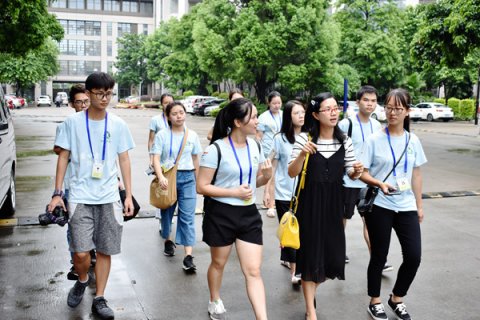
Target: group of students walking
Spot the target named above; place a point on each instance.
(227, 174)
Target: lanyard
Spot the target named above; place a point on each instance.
(361, 127)
(405, 165)
(104, 137)
(238, 161)
(171, 139)
(275, 120)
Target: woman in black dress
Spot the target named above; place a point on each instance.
(322, 239)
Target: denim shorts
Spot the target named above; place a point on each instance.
(96, 226)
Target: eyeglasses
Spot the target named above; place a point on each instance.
(80, 103)
(389, 109)
(101, 95)
(329, 110)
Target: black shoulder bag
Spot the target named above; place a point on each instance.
(368, 194)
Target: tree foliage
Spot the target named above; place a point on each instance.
(37, 65)
(26, 25)
(131, 63)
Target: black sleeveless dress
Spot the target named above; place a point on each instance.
(322, 238)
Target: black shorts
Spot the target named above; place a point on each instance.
(351, 198)
(224, 223)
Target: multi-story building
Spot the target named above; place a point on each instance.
(92, 28)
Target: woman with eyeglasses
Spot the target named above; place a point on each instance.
(398, 206)
(322, 239)
(292, 122)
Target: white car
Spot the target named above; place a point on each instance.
(189, 101)
(433, 111)
(132, 99)
(8, 160)
(415, 114)
(44, 101)
(378, 113)
(208, 110)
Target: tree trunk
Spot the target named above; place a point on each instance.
(202, 86)
(261, 85)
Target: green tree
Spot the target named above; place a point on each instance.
(37, 65)
(26, 25)
(131, 64)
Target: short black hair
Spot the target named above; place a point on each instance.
(99, 80)
(74, 90)
(366, 89)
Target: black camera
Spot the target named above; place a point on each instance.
(58, 216)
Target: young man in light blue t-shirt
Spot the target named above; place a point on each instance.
(359, 128)
(93, 140)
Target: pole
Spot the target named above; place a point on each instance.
(475, 116)
(345, 97)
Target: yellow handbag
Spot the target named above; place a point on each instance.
(288, 231)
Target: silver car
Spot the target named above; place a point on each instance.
(8, 159)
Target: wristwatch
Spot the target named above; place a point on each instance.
(57, 192)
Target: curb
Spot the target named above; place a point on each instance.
(447, 133)
(145, 214)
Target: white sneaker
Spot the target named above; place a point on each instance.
(387, 267)
(216, 310)
(286, 264)
(271, 213)
(296, 280)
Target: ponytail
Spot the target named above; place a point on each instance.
(237, 109)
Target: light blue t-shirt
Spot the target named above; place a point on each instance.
(228, 174)
(73, 136)
(162, 145)
(378, 159)
(284, 185)
(358, 140)
(158, 123)
(269, 124)
(66, 179)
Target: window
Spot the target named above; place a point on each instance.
(110, 67)
(78, 68)
(124, 28)
(93, 28)
(146, 6)
(92, 48)
(130, 5)
(72, 27)
(111, 5)
(173, 6)
(91, 66)
(58, 3)
(109, 48)
(63, 47)
(63, 67)
(76, 4)
(109, 28)
(145, 29)
(94, 4)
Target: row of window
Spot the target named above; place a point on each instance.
(82, 47)
(78, 68)
(135, 6)
(94, 28)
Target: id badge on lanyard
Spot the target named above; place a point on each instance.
(247, 201)
(97, 167)
(402, 181)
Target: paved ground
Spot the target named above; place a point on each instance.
(144, 284)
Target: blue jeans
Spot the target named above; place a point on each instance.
(186, 200)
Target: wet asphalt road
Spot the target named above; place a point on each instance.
(144, 284)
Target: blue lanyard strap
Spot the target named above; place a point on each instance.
(104, 137)
(275, 120)
(180, 148)
(405, 165)
(361, 127)
(238, 162)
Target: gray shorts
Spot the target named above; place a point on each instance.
(96, 226)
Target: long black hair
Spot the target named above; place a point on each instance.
(287, 123)
(400, 97)
(236, 109)
(312, 125)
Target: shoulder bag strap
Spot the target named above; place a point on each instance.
(401, 156)
(184, 142)
(301, 183)
(350, 125)
(218, 162)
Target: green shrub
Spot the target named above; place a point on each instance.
(188, 93)
(439, 100)
(454, 103)
(214, 113)
(467, 106)
(261, 108)
(223, 95)
(215, 94)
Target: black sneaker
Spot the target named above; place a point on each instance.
(100, 308)
(399, 309)
(188, 264)
(72, 274)
(347, 259)
(75, 295)
(169, 250)
(377, 311)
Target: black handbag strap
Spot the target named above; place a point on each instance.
(399, 159)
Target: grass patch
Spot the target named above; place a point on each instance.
(34, 153)
(30, 138)
(465, 151)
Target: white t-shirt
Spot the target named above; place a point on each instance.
(378, 159)
(228, 174)
(360, 133)
(72, 136)
(162, 145)
(269, 124)
(284, 185)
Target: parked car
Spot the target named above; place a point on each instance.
(415, 114)
(44, 101)
(8, 159)
(190, 101)
(433, 111)
(132, 99)
(352, 109)
(64, 98)
(199, 107)
(14, 102)
(208, 110)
